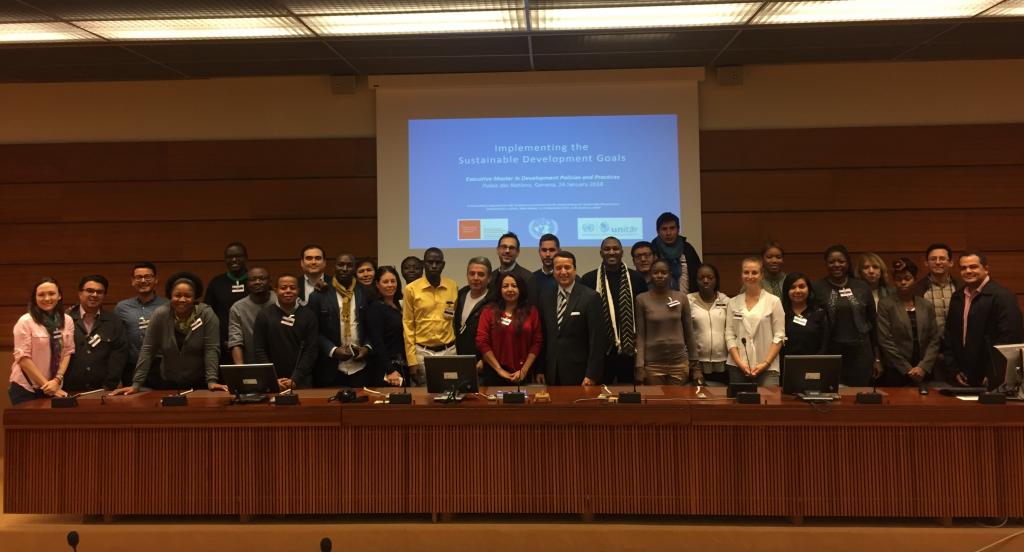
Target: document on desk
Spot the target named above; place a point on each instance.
(967, 397)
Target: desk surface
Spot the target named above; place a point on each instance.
(568, 405)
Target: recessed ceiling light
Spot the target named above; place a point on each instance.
(415, 23)
(1010, 8)
(868, 10)
(42, 32)
(196, 29)
(633, 17)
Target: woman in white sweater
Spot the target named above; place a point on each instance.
(755, 331)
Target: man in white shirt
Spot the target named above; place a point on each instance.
(340, 311)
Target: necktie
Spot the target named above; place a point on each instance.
(563, 300)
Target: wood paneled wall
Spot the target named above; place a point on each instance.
(889, 190)
(73, 209)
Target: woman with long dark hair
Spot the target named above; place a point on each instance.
(384, 328)
(806, 322)
(44, 339)
(509, 335)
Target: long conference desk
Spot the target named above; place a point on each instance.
(675, 454)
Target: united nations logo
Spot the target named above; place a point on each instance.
(540, 226)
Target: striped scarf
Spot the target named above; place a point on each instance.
(618, 313)
(347, 293)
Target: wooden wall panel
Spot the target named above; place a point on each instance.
(75, 209)
(890, 190)
(230, 199)
(931, 146)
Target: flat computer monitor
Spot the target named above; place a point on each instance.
(811, 374)
(443, 372)
(250, 379)
(1006, 367)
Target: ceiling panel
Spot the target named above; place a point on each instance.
(105, 72)
(235, 51)
(66, 55)
(835, 36)
(13, 12)
(476, 46)
(154, 9)
(264, 68)
(623, 60)
(809, 55)
(309, 7)
(384, 66)
(631, 42)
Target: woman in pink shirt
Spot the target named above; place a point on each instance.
(44, 339)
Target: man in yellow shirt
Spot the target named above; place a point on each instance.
(427, 314)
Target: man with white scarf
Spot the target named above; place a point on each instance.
(618, 287)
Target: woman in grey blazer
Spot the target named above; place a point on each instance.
(186, 334)
(908, 336)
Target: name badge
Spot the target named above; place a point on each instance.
(799, 320)
(575, 313)
(197, 324)
(288, 320)
(143, 323)
(506, 320)
(845, 292)
(95, 340)
(238, 288)
(722, 304)
(737, 315)
(673, 303)
(449, 311)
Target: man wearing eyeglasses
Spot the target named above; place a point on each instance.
(643, 258)
(100, 346)
(136, 312)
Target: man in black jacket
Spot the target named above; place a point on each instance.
(101, 349)
(470, 304)
(981, 315)
(618, 286)
(340, 311)
(573, 328)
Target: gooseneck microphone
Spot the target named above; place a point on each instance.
(73, 540)
(325, 544)
(743, 340)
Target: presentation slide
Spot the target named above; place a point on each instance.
(583, 178)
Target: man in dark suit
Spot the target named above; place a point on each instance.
(508, 257)
(981, 315)
(313, 261)
(573, 328)
(618, 286)
(340, 311)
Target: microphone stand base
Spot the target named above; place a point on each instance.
(63, 402)
(746, 397)
(513, 397)
(400, 398)
(869, 397)
(989, 398)
(629, 397)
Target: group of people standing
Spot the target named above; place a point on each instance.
(665, 321)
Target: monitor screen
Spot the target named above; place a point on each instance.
(811, 374)
(443, 372)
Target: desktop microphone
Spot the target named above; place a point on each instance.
(73, 540)
(289, 397)
(325, 544)
(870, 397)
(630, 397)
(404, 397)
(746, 355)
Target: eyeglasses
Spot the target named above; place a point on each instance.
(143, 278)
(92, 291)
(643, 255)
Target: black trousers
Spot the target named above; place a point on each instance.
(19, 394)
(619, 369)
(858, 357)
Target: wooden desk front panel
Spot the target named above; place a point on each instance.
(780, 459)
